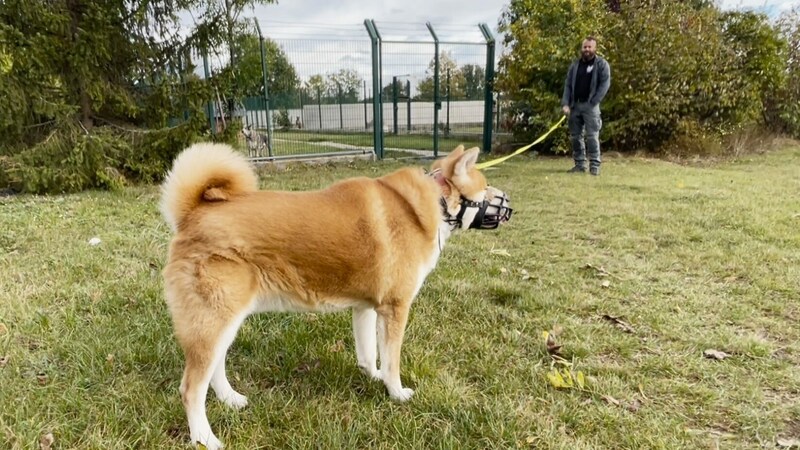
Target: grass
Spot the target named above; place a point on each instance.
(290, 142)
(698, 258)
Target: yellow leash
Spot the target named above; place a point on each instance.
(497, 161)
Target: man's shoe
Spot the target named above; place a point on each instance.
(594, 171)
(577, 169)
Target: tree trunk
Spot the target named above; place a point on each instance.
(72, 73)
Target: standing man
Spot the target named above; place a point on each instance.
(588, 80)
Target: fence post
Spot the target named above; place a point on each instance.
(302, 111)
(319, 106)
(266, 86)
(341, 117)
(377, 110)
(447, 127)
(437, 102)
(489, 86)
(408, 107)
(366, 124)
(394, 104)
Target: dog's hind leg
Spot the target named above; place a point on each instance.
(219, 380)
(365, 335)
(392, 318)
(205, 364)
(200, 364)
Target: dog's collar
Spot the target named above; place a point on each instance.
(452, 222)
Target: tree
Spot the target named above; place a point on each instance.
(683, 73)
(221, 23)
(315, 89)
(474, 81)
(281, 75)
(69, 67)
(344, 86)
(447, 64)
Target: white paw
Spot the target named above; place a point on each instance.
(234, 400)
(210, 442)
(401, 395)
(371, 372)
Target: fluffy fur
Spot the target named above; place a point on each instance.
(363, 244)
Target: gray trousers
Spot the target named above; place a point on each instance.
(584, 117)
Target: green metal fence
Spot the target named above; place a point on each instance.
(389, 89)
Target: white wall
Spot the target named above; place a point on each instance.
(352, 115)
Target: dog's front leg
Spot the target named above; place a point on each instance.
(392, 318)
(365, 335)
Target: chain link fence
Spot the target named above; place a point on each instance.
(393, 90)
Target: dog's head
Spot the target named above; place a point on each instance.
(246, 131)
(467, 199)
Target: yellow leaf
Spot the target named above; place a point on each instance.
(567, 375)
(555, 378)
(545, 335)
(580, 379)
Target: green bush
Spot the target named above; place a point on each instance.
(683, 73)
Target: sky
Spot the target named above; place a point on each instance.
(323, 36)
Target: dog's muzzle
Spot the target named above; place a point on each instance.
(491, 213)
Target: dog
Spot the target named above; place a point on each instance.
(362, 244)
(256, 142)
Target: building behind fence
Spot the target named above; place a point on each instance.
(433, 92)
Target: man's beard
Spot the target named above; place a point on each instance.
(587, 56)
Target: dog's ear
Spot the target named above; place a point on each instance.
(466, 161)
(438, 176)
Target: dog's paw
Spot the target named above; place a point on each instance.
(210, 443)
(234, 400)
(371, 372)
(401, 395)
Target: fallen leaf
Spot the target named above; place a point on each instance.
(555, 379)
(633, 406)
(580, 379)
(621, 324)
(611, 400)
(46, 441)
(787, 442)
(336, 347)
(503, 270)
(605, 283)
(530, 439)
(94, 241)
(42, 379)
(110, 358)
(525, 275)
(307, 367)
(550, 342)
(715, 354)
(731, 279)
(3, 329)
(4, 360)
(500, 252)
(598, 271)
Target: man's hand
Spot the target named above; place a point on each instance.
(565, 110)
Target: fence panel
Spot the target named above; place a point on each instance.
(330, 107)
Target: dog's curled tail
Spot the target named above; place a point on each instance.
(204, 173)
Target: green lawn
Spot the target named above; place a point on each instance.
(293, 142)
(691, 258)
